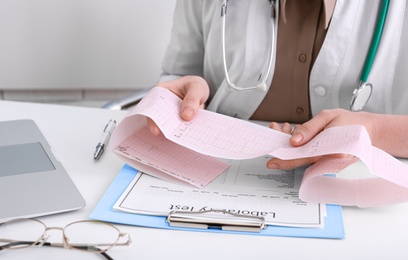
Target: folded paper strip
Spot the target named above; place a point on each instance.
(188, 151)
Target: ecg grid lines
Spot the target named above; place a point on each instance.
(178, 161)
(211, 133)
(216, 135)
(350, 140)
(220, 137)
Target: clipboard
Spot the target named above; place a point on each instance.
(333, 224)
(198, 219)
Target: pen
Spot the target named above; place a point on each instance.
(103, 142)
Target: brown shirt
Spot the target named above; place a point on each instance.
(302, 29)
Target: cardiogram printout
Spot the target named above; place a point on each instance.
(190, 152)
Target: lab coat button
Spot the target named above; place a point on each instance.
(320, 91)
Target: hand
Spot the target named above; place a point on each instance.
(194, 92)
(307, 131)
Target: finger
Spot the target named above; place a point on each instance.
(190, 105)
(287, 128)
(275, 126)
(154, 129)
(305, 132)
(276, 163)
(196, 93)
(193, 90)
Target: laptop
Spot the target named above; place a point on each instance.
(32, 181)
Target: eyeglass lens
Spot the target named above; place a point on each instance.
(25, 231)
(91, 233)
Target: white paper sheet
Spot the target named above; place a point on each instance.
(247, 188)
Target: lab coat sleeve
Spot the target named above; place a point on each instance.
(185, 52)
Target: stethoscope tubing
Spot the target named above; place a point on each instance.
(362, 94)
(375, 42)
(262, 85)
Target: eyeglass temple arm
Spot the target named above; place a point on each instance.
(87, 247)
(15, 243)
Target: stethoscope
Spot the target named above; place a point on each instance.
(361, 94)
(274, 24)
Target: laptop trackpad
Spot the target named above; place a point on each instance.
(24, 158)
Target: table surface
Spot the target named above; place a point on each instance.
(73, 132)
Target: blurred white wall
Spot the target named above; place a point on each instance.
(81, 44)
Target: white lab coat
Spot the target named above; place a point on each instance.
(195, 49)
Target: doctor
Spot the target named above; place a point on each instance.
(321, 48)
(222, 56)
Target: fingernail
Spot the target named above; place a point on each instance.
(188, 113)
(297, 138)
(272, 166)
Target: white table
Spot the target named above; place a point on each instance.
(73, 132)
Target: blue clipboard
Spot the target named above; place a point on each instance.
(333, 224)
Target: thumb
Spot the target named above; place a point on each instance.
(196, 92)
(189, 107)
(307, 131)
(301, 135)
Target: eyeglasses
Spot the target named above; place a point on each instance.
(86, 235)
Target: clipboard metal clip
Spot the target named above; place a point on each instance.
(228, 221)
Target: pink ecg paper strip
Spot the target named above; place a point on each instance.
(168, 157)
(188, 150)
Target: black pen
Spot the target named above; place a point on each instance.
(103, 142)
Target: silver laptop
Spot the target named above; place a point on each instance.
(32, 181)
